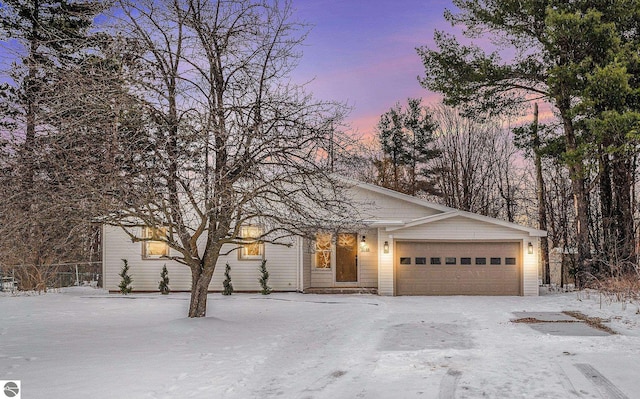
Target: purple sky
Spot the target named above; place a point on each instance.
(363, 52)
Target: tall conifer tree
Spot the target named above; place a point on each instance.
(562, 52)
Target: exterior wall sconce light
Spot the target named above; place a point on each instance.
(530, 248)
(385, 247)
(363, 245)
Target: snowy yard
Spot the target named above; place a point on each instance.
(85, 343)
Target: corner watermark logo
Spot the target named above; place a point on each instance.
(10, 389)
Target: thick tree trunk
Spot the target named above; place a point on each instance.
(542, 209)
(622, 181)
(616, 182)
(606, 206)
(202, 272)
(200, 279)
(581, 202)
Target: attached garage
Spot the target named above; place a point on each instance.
(458, 268)
(458, 253)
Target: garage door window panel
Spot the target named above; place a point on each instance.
(481, 261)
(421, 261)
(436, 261)
(496, 261)
(450, 260)
(509, 261)
(465, 261)
(405, 261)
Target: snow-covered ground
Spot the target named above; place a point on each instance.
(86, 343)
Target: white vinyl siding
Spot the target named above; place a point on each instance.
(530, 267)
(385, 264)
(306, 264)
(368, 261)
(321, 278)
(282, 264)
(379, 206)
(458, 228)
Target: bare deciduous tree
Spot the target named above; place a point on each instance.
(227, 139)
(477, 169)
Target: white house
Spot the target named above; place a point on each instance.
(409, 247)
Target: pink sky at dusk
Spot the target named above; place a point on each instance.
(362, 52)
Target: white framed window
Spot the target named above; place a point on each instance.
(252, 249)
(323, 249)
(156, 247)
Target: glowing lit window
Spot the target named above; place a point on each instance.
(253, 248)
(155, 247)
(323, 251)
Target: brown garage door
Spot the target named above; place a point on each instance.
(458, 268)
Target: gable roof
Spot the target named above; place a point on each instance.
(426, 219)
(397, 195)
(445, 212)
(469, 215)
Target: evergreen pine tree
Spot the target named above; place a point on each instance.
(125, 284)
(163, 286)
(44, 46)
(228, 287)
(55, 39)
(264, 278)
(406, 136)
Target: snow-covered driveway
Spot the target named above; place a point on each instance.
(88, 344)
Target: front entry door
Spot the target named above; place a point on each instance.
(347, 258)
